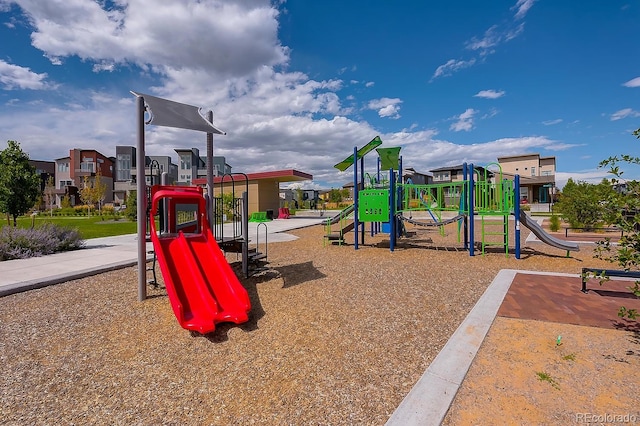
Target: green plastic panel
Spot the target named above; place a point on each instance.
(373, 205)
(389, 158)
(348, 162)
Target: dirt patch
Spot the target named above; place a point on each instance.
(521, 375)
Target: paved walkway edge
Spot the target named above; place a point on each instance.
(22, 286)
(430, 398)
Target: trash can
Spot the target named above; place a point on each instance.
(270, 214)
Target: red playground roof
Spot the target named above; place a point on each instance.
(289, 175)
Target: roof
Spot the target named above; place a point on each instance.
(509, 157)
(289, 175)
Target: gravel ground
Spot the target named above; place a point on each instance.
(336, 336)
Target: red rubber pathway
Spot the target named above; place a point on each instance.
(559, 299)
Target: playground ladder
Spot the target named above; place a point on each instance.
(495, 228)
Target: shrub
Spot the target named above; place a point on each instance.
(20, 243)
(554, 223)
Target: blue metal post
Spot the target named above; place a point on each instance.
(355, 197)
(392, 203)
(465, 205)
(361, 186)
(516, 211)
(471, 212)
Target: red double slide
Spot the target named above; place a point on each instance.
(201, 285)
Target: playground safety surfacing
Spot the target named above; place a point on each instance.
(554, 355)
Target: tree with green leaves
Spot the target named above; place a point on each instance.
(19, 182)
(622, 208)
(580, 203)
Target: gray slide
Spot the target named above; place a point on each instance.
(544, 237)
(335, 219)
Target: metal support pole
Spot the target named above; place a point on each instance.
(245, 234)
(516, 212)
(392, 214)
(471, 212)
(141, 199)
(355, 197)
(361, 186)
(210, 169)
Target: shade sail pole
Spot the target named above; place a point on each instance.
(141, 201)
(210, 168)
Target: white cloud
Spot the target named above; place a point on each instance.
(490, 94)
(624, 113)
(386, 107)
(464, 121)
(492, 38)
(590, 176)
(552, 122)
(522, 7)
(451, 66)
(634, 82)
(226, 38)
(17, 77)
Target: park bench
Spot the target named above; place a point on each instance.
(259, 217)
(607, 272)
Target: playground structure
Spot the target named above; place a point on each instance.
(387, 203)
(202, 287)
(188, 246)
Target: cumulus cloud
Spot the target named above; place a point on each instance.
(17, 77)
(228, 38)
(624, 113)
(386, 107)
(490, 94)
(463, 121)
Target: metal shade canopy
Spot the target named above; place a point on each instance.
(168, 113)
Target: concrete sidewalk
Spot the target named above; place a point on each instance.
(109, 253)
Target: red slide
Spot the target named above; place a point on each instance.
(201, 285)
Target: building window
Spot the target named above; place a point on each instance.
(533, 171)
(123, 167)
(441, 176)
(88, 167)
(63, 167)
(64, 183)
(185, 163)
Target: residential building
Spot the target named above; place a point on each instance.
(192, 166)
(126, 173)
(450, 174)
(411, 175)
(71, 172)
(44, 169)
(537, 176)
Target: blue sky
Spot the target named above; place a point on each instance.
(298, 84)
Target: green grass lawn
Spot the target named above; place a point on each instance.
(89, 227)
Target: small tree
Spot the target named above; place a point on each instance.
(65, 203)
(622, 208)
(99, 190)
(50, 194)
(19, 182)
(131, 211)
(87, 194)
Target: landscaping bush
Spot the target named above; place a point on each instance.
(554, 223)
(20, 243)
